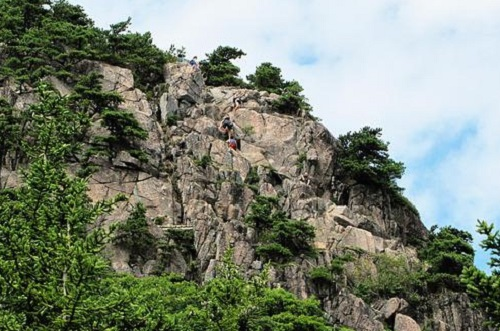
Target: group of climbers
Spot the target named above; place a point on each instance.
(228, 127)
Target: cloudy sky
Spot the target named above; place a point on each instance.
(427, 72)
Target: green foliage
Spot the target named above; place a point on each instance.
(172, 119)
(204, 161)
(448, 252)
(301, 160)
(291, 100)
(49, 252)
(364, 157)
(134, 235)
(137, 52)
(183, 241)
(274, 252)
(218, 69)
(252, 179)
(261, 212)
(398, 197)
(248, 130)
(40, 40)
(268, 78)
(321, 275)
(229, 302)
(89, 98)
(394, 276)
(337, 265)
(483, 288)
(281, 238)
(296, 235)
(124, 130)
(44, 40)
(151, 303)
(11, 131)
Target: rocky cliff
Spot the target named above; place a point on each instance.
(194, 183)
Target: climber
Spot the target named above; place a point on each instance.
(232, 143)
(237, 101)
(194, 63)
(226, 126)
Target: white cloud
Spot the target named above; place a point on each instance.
(423, 70)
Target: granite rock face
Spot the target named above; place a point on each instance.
(194, 182)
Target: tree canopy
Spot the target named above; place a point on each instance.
(448, 252)
(267, 77)
(364, 157)
(45, 37)
(484, 288)
(218, 68)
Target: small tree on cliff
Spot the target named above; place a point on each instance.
(268, 78)
(448, 252)
(218, 68)
(483, 288)
(364, 157)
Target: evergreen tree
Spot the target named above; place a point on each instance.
(364, 157)
(268, 78)
(448, 252)
(484, 288)
(291, 100)
(218, 68)
(49, 261)
(11, 133)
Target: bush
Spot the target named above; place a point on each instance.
(321, 275)
(291, 101)
(392, 276)
(134, 235)
(274, 252)
(282, 238)
(204, 161)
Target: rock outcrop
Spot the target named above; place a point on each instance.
(193, 182)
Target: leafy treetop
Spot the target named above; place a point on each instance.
(268, 78)
(364, 157)
(218, 68)
(448, 252)
(483, 288)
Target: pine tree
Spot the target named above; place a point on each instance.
(218, 68)
(483, 288)
(50, 241)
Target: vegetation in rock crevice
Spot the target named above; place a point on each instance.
(280, 238)
(134, 236)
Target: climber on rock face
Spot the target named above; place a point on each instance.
(232, 143)
(237, 101)
(226, 126)
(194, 63)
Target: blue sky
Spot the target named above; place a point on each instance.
(427, 72)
